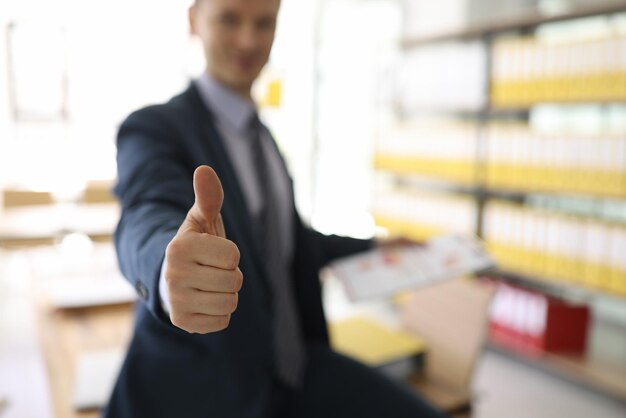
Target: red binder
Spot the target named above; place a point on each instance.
(533, 323)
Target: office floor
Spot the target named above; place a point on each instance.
(505, 388)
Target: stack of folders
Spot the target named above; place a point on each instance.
(558, 247)
(531, 70)
(395, 353)
(521, 159)
(442, 150)
(423, 215)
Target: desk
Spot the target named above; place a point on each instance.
(40, 345)
(64, 334)
(43, 224)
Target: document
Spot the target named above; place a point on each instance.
(384, 272)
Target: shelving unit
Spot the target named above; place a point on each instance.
(595, 370)
(601, 369)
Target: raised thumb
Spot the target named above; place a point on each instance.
(209, 198)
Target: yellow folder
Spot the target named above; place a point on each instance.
(373, 342)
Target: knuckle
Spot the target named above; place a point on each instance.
(190, 324)
(222, 322)
(196, 324)
(237, 281)
(175, 249)
(203, 329)
(179, 321)
(229, 303)
(233, 302)
(176, 299)
(235, 255)
(211, 324)
(177, 277)
(172, 275)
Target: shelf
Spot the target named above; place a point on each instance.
(519, 109)
(415, 177)
(518, 112)
(602, 369)
(512, 112)
(520, 22)
(501, 191)
(422, 181)
(558, 288)
(517, 194)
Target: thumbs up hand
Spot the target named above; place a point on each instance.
(202, 271)
(204, 216)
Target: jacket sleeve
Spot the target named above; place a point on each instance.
(332, 247)
(155, 190)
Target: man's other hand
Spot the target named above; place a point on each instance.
(396, 242)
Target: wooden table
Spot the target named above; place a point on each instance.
(40, 344)
(65, 334)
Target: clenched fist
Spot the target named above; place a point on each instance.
(202, 273)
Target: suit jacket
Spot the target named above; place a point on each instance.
(167, 371)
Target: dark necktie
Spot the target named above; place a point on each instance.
(290, 356)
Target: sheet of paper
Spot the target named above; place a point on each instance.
(383, 272)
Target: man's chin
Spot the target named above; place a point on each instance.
(242, 82)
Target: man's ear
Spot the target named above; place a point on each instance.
(191, 13)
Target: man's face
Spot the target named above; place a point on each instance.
(237, 36)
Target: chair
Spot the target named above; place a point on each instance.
(15, 198)
(98, 191)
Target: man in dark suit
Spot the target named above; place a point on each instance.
(208, 227)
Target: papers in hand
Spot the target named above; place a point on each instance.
(383, 272)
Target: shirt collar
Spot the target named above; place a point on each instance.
(226, 104)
